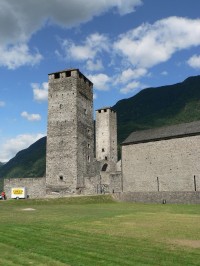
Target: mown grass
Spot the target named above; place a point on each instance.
(98, 231)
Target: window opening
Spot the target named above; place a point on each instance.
(104, 167)
(68, 74)
(57, 75)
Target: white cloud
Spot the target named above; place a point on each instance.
(101, 81)
(93, 45)
(2, 104)
(94, 66)
(31, 117)
(18, 55)
(20, 19)
(151, 44)
(40, 92)
(132, 87)
(130, 74)
(11, 146)
(194, 61)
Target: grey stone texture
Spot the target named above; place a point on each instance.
(36, 187)
(165, 165)
(163, 197)
(106, 135)
(70, 137)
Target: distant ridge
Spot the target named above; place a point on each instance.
(155, 107)
(30, 162)
(150, 108)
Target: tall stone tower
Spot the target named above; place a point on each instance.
(106, 135)
(70, 136)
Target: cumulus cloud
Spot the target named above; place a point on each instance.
(40, 92)
(31, 117)
(11, 146)
(132, 87)
(20, 19)
(18, 55)
(194, 61)
(94, 66)
(2, 104)
(88, 50)
(151, 44)
(101, 81)
(130, 74)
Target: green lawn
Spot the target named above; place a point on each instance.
(98, 231)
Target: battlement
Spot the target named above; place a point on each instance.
(69, 73)
(105, 109)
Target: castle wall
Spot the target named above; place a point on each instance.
(162, 197)
(106, 135)
(70, 137)
(116, 182)
(165, 165)
(85, 130)
(36, 187)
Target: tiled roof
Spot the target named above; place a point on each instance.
(169, 132)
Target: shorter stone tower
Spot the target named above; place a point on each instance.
(106, 135)
(70, 136)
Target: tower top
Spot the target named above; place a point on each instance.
(104, 109)
(68, 73)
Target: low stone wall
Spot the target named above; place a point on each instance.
(116, 182)
(36, 187)
(189, 197)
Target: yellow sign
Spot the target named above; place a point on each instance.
(18, 191)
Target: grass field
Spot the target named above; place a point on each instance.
(98, 231)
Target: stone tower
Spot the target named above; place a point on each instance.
(70, 136)
(106, 135)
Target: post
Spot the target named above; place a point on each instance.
(195, 185)
(158, 185)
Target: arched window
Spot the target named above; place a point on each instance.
(104, 167)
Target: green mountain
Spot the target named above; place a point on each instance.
(155, 107)
(152, 107)
(30, 162)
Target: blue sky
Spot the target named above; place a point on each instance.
(122, 46)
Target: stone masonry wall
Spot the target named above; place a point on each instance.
(166, 165)
(61, 163)
(36, 187)
(106, 135)
(115, 182)
(163, 197)
(70, 137)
